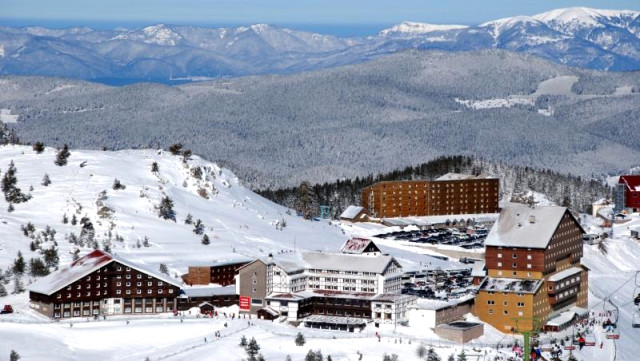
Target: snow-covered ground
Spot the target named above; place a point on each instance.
(561, 85)
(7, 117)
(239, 223)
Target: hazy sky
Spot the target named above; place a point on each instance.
(114, 13)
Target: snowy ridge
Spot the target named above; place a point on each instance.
(583, 15)
(412, 28)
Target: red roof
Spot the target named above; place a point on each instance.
(632, 181)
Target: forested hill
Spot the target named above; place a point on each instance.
(515, 184)
(399, 110)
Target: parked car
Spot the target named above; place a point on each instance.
(6, 309)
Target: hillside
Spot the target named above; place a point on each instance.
(237, 221)
(580, 37)
(399, 110)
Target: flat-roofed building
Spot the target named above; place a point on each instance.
(452, 193)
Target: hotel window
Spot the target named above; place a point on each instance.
(161, 291)
(528, 265)
(139, 284)
(520, 304)
(499, 264)
(118, 284)
(128, 292)
(159, 284)
(491, 312)
(149, 291)
(139, 276)
(491, 302)
(139, 292)
(118, 292)
(128, 277)
(170, 290)
(505, 312)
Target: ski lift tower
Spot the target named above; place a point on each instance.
(325, 212)
(526, 326)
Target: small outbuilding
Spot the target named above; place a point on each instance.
(355, 214)
(460, 331)
(206, 308)
(268, 313)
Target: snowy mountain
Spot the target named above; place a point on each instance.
(581, 37)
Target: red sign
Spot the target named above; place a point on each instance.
(245, 302)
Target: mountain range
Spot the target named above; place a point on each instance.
(580, 37)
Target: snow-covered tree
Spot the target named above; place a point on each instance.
(12, 193)
(188, 219)
(14, 356)
(38, 147)
(300, 341)
(165, 209)
(205, 240)
(432, 355)
(117, 185)
(164, 269)
(18, 287)
(3, 290)
(243, 341)
(37, 268)
(62, 156)
(198, 227)
(19, 264)
(46, 180)
(252, 349)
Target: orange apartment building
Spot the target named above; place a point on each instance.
(533, 263)
(450, 194)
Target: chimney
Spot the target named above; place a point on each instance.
(270, 258)
(532, 219)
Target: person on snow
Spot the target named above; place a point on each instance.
(581, 342)
(636, 301)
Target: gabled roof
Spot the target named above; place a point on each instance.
(523, 226)
(357, 245)
(351, 212)
(632, 182)
(84, 266)
(347, 262)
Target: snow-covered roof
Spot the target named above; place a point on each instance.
(270, 311)
(456, 176)
(84, 266)
(512, 285)
(435, 305)
(196, 291)
(478, 269)
(351, 212)
(357, 245)
(520, 225)
(564, 274)
(567, 316)
(347, 262)
(71, 273)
